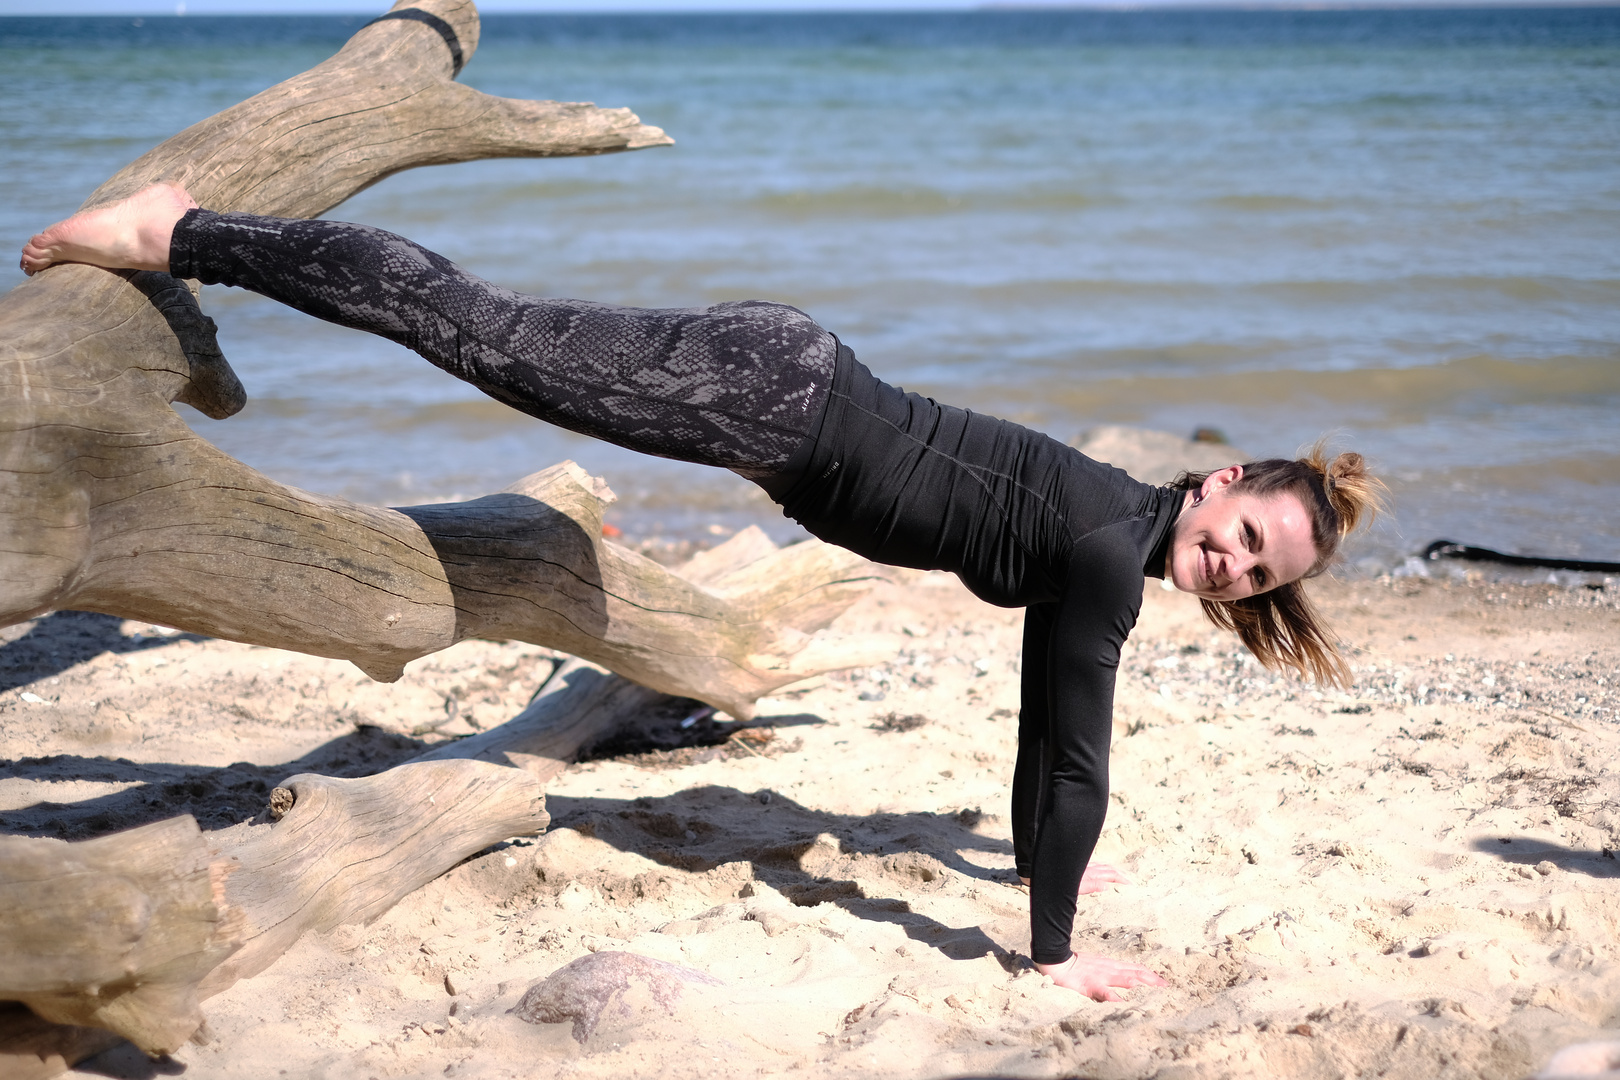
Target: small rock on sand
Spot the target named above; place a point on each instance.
(582, 990)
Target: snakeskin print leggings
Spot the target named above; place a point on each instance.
(739, 385)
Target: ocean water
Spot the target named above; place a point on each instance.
(1398, 227)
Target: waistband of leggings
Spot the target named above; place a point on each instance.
(780, 484)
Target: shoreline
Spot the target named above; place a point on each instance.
(1415, 881)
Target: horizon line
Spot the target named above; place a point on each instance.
(179, 10)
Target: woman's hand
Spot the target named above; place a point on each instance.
(1096, 976)
(1097, 877)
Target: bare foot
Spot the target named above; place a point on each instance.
(128, 235)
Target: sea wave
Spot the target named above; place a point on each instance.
(1596, 469)
(1371, 395)
(866, 200)
(1603, 293)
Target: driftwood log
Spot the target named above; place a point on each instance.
(125, 936)
(93, 936)
(109, 502)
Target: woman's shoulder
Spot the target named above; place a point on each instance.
(1101, 494)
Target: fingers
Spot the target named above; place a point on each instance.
(1105, 872)
(1127, 975)
(1139, 977)
(1100, 977)
(1098, 876)
(1095, 878)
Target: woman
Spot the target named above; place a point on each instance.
(760, 389)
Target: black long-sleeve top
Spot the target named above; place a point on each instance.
(1024, 521)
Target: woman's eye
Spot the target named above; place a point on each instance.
(1259, 578)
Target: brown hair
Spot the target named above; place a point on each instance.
(1280, 626)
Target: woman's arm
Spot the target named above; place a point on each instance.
(1029, 775)
(1034, 721)
(1071, 658)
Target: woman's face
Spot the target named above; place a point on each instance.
(1227, 546)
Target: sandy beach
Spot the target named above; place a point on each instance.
(1396, 226)
(1415, 878)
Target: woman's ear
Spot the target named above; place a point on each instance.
(1219, 480)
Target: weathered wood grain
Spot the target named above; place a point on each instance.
(109, 502)
(128, 933)
(348, 850)
(117, 932)
(580, 704)
(384, 103)
(125, 935)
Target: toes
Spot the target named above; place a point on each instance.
(33, 260)
(36, 256)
